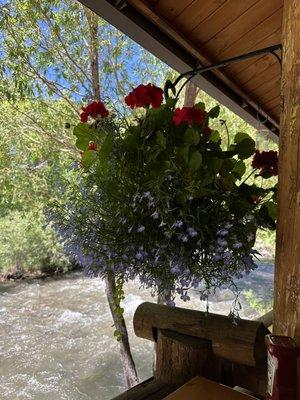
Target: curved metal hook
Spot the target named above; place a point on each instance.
(198, 71)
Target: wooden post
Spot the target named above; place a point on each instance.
(287, 270)
(179, 358)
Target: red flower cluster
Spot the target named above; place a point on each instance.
(266, 161)
(95, 110)
(92, 146)
(188, 115)
(145, 96)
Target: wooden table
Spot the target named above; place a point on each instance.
(200, 388)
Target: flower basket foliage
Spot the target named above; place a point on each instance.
(176, 208)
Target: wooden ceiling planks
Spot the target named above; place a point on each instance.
(255, 69)
(274, 37)
(256, 35)
(219, 20)
(243, 24)
(171, 9)
(214, 30)
(197, 13)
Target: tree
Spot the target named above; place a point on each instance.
(110, 282)
(47, 57)
(190, 94)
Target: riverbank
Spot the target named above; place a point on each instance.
(20, 275)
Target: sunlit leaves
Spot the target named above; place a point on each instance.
(88, 158)
(83, 134)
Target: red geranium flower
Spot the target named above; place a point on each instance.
(95, 110)
(266, 161)
(92, 146)
(145, 96)
(188, 115)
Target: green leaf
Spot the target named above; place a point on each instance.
(83, 133)
(82, 142)
(214, 112)
(245, 148)
(88, 158)
(241, 136)
(214, 137)
(200, 105)
(214, 164)
(160, 139)
(265, 220)
(272, 209)
(191, 137)
(183, 152)
(195, 160)
(171, 103)
(132, 139)
(106, 148)
(227, 165)
(82, 129)
(239, 169)
(240, 207)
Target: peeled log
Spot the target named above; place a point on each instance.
(242, 343)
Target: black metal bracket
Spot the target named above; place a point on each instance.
(171, 86)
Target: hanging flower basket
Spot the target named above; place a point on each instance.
(176, 208)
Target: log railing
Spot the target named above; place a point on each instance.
(190, 343)
(240, 343)
(267, 319)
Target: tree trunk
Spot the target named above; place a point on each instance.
(119, 322)
(190, 94)
(120, 326)
(93, 20)
(164, 297)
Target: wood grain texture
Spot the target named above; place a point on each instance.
(287, 265)
(242, 343)
(218, 20)
(180, 358)
(255, 35)
(197, 13)
(171, 9)
(243, 24)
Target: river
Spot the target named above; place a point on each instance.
(56, 336)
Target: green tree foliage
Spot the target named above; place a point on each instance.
(31, 160)
(25, 245)
(46, 75)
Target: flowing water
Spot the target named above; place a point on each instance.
(56, 336)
